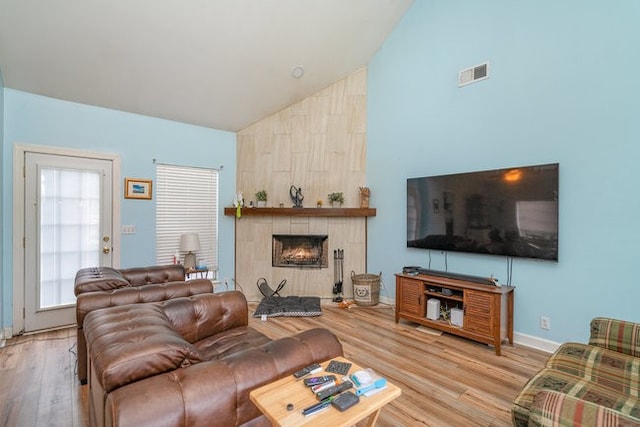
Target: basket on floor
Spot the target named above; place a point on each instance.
(366, 288)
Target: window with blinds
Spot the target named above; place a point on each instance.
(186, 202)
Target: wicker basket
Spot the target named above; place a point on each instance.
(366, 288)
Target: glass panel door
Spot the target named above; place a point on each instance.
(68, 203)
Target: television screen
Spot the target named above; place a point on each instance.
(510, 212)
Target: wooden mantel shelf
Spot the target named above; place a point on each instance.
(334, 212)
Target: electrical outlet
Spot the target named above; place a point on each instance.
(545, 323)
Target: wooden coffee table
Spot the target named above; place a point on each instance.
(272, 399)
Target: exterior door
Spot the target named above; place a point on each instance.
(68, 221)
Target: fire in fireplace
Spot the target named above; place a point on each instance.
(300, 251)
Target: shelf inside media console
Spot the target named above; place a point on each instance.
(441, 293)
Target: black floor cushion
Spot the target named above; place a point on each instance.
(289, 306)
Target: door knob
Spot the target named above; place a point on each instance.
(106, 249)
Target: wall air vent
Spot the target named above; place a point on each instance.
(473, 74)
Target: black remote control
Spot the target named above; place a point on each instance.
(311, 369)
(345, 401)
(309, 382)
(336, 389)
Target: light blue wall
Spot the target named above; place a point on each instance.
(561, 89)
(2, 186)
(37, 120)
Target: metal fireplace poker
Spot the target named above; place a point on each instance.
(338, 270)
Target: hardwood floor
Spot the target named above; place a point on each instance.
(445, 380)
(38, 382)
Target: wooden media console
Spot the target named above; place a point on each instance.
(487, 309)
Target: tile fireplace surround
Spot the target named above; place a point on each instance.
(254, 236)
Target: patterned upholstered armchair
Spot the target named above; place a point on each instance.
(597, 384)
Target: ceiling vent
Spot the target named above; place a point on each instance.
(473, 74)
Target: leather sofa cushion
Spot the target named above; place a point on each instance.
(132, 342)
(91, 301)
(154, 274)
(216, 392)
(229, 342)
(200, 317)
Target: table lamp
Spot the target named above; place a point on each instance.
(188, 243)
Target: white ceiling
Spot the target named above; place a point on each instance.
(222, 64)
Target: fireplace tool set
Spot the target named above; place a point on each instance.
(338, 270)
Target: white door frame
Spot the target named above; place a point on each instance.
(19, 151)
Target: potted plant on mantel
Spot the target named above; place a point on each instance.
(336, 199)
(261, 199)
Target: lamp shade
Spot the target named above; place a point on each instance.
(189, 242)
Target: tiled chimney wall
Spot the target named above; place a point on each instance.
(318, 145)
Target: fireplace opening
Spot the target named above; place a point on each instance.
(300, 251)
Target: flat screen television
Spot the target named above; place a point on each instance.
(511, 212)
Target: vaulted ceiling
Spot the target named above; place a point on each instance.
(222, 64)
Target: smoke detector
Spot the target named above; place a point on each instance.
(473, 74)
(297, 71)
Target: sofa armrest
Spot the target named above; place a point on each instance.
(95, 279)
(551, 409)
(616, 335)
(133, 342)
(154, 274)
(217, 390)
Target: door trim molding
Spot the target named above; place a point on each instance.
(19, 152)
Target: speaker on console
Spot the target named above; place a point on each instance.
(456, 317)
(433, 309)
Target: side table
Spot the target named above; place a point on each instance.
(197, 272)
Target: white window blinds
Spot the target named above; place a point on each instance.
(186, 202)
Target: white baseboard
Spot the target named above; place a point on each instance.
(6, 333)
(535, 342)
(388, 301)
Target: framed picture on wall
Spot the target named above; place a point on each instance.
(135, 188)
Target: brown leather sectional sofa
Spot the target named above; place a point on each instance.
(100, 287)
(188, 362)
